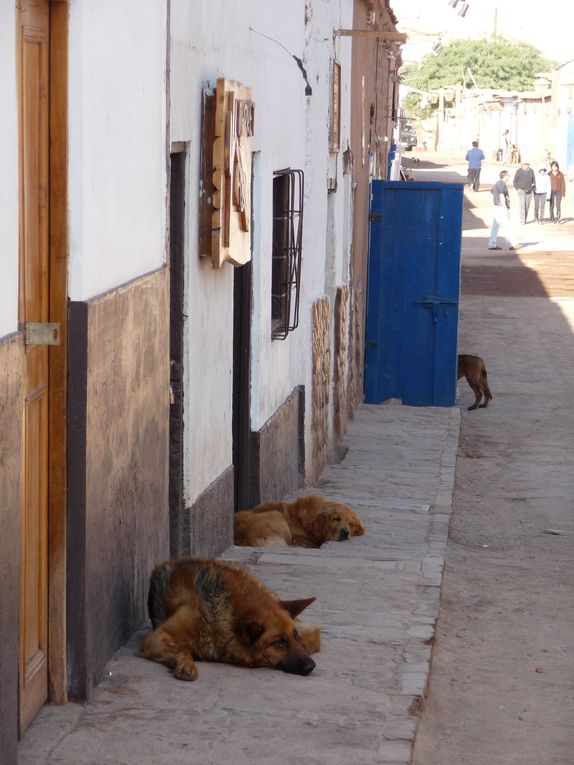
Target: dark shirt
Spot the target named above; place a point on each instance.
(499, 188)
(524, 180)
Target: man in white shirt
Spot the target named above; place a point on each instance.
(542, 191)
(501, 213)
(474, 157)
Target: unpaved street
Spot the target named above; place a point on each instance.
(502, 679)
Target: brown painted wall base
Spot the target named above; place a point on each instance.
(277, 460)
(11, 360)
(276, 465)
(206, 528)
(118, 399)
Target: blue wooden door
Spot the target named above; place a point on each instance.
(413, 291)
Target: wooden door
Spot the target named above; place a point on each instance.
(33, 71)
(412, 293)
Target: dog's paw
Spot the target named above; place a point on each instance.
(186, 671)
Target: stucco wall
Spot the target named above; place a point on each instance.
(371, 70)
(291, 130)
(117, 468)
(117, 143)
(8, 172)
(326, 246)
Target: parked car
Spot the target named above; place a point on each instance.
(408, 136)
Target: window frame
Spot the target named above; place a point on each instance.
(288, 193)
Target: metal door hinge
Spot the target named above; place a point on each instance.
(41, 332)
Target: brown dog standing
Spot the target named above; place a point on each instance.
(474, 370)
(216, 611)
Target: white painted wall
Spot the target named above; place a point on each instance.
(326, 246)
(213, 39)
(117, 142)
(8, 172)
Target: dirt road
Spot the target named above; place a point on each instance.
(502, 680)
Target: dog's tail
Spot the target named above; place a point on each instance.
(157, 586)
(486, 386)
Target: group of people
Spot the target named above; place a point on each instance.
(544, 186)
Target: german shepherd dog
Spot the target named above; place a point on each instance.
(473, 368)
(309, 521)
(216, 611)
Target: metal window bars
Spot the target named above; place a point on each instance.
(288, 189)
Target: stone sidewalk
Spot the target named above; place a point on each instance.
(377, 602)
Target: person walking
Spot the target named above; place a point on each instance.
(474, 157)
(524, 183)
(501, 212)
(557, 191)
(541, 194)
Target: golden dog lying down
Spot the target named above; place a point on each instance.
(217, 611)
(309, 521)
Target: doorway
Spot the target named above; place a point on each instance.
(42, 112)
(176, 355)
(242, 286)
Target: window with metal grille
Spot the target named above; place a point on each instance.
(286, 256)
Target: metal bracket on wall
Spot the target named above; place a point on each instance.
(41, 332)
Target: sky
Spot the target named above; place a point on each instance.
(548, 25)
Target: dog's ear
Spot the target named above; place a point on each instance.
(249, 631)
(294, 607)
(318, 526)
(359, 526)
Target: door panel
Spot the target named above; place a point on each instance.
(33, 581)
(33, 66)
(413, 292)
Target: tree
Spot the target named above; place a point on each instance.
(500, 65)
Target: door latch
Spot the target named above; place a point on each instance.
(41, 332)
(433, 302)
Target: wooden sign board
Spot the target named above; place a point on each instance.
(225, 194)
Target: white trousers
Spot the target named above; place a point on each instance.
(501, 219)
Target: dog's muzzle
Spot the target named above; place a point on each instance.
(302, 667)
(344, 534)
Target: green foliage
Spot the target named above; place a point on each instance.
(499, 65)
(412, 106)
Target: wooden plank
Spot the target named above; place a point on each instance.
(232, 162)
(57, 663)
(33, 86)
